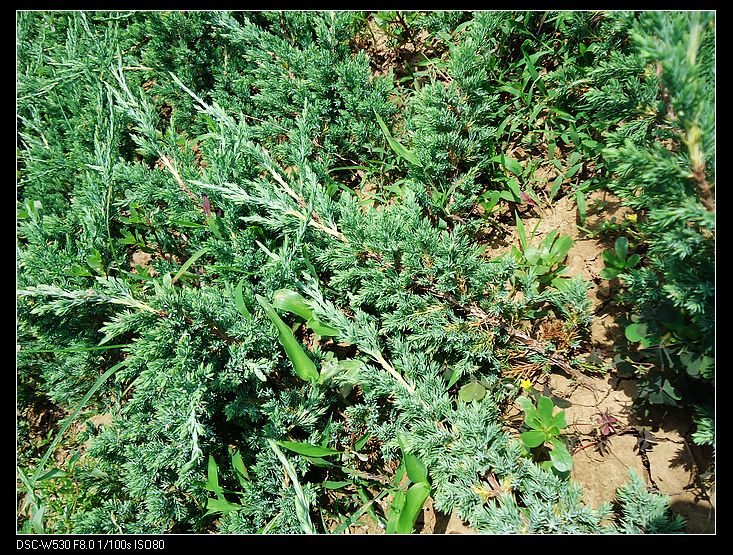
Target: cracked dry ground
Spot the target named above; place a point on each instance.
(674, 465)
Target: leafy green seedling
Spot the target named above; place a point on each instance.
(617, 260)
(547, 257)
(659, 391)
(473, 391)
(544, 431)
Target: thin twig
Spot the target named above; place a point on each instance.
(529, 342)
(167, 163)
(395, 374)
(315, 220)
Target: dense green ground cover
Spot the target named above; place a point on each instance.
(254, 289)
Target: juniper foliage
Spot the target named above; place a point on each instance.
(174, 166)
(658, 96)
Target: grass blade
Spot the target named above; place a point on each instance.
(76, 350)
(188, 264)
(521, 231)
(239, 469)
(354, 517)
(401, 151)
(287, 299)
(308, 449)
(70, 419)
(302, 507)
(239, 301)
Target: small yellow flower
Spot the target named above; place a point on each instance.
(525, 384)
(631, 218)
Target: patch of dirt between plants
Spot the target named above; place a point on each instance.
(670, 466)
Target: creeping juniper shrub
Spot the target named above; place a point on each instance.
(177, 169)
(658, 98)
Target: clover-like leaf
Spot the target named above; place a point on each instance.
(473, 391)
(645, 441)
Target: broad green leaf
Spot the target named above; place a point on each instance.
(580, 201)
(632, 260)
(574, 158)
(321, 463)
(525, 403)
(287, 299)
(395, 510)
(562, 246)
(490, 202)
(214, 227)
(329, 369)
(611, 260)
(239, 301)
(545, 406)
(239, 469)
(51, 474)
(473, 391)
(513, 185)
(635, 332)
(361, 442)
(622, 248)
(37, 520)
(560, 456)
(212, 478)
(322, 329)
(573, 170)
(507, 196)
(455, 376)
(308, 449)
(559, 420)
(328, 484)
(549, 240)
(533, 438)
(220, 506)
(609, 273)
(416, 470)
(513, 166)
(304, 367)
(531, 417)
(415, 498)
(533, 255)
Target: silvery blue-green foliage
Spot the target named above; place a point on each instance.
(705, 425)
(643, 512)
(172, 167)
(661, 157)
